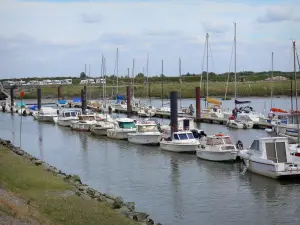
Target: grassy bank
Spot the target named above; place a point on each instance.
(45, 198)
(244, 89)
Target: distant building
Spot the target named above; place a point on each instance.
(8, 83)
(100, 81)
(87, 81)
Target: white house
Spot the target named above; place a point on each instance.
(100, 81)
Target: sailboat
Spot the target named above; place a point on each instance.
(212, 106)
(245, 116)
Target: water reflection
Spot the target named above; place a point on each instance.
(41, 146)
(176, 192)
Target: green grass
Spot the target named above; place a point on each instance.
(33, 184)
(244, 89)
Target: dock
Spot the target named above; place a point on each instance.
(206, 119)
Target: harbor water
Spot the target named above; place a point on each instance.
(174, 188)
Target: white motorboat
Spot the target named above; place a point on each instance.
(62, 103)
(84, 122)
(270, 157)
(146, 112)
(101, 127)
(183, 124)
(122, 127)
(295, 152)
(240, 124)
(182, 142)
(46, 114)
(146, 134)
(67, 116)
(217, 148)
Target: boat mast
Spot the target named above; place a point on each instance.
(147, 78)
(296, 91)
(102, 69)
(117, 91)
(235, 90)
(180, 81)
(206, 68)
(132, 71)
(162, 83)
(272, 82)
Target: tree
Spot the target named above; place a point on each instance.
(140, 75)
(82, 75)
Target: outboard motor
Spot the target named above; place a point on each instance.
(195, 133)
(24, 113)
(239, 145)
(109, 109)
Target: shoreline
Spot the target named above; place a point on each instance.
(114, 204)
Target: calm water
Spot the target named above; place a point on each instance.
(174, 188)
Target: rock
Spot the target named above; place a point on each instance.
(158, 224)
(97, 194)
(20, 152)
(83, 188)
(118, 202)
(101, 198)
(140, 216)
(110, 203)
(110, 196)
(125, 212)
(38, 162)
(75, 179)
(90, 192)
(78, 193)
(130, 206)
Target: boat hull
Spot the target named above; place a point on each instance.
(217, 156)
(233, 124)
(119, 134)
(45, 118)
(80, 127)
(269, 170)
(180, 148)
(64, 123)
(99, 131)
(144, 139)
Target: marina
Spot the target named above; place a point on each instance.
(150, 176)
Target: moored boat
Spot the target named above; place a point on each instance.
(217, 148)
(270, 157)
(181, 142)
(122, 127)
(146, 134)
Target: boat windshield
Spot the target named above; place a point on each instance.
(148, 128)
(69, 114)
(227, 140)
(183, 136)
(126, 125)
(190, 136)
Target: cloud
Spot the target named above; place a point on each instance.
(277, 14)
(215, 27)
(56, 38)
(91, 18)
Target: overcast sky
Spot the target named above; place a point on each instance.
(57, 37)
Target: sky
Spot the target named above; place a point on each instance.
(40, 38)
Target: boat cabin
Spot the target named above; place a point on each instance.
(126, 123)
(146, 127)
(183, 136)
(70, 113)
(273, 148)
(87, 117)
(219, 141)
(186, 123)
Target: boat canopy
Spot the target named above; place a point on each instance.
(277, 110)
(214, 101)
(62, 102)
(20, 104)
(241, 102)
(77, 100)
(34, 107)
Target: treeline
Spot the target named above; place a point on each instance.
(242, 76)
